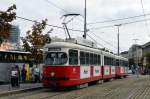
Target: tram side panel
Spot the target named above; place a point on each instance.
(97, 72)
(113, 71)
(119, 71)
(106, 72)
(90, 73)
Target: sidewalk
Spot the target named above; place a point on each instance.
(7, 89)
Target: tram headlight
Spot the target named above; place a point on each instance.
(52, 74)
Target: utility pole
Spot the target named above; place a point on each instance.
(136, 54)
(118, 25)
(84, 36)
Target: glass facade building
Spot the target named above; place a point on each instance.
(14, 34)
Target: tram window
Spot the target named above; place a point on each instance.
(125, 63)
(117, 62)
(107, 60)
(91, 59)
(82, 58)
(87, 57)
(114, 62)
(121, 63)
(111, 61)
(56, 58)
(95, 59)
(99, 60)
(73, 57)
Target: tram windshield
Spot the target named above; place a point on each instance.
(56, 58)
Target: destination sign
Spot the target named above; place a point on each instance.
(54, 49)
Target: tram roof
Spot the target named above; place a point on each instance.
(72, 46)
(81, 47)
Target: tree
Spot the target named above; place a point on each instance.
(6, 17)
(37, 39)
(26, 45)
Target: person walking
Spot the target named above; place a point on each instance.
(23, 73)
(17, 79)
(36, 73)
(14, 77)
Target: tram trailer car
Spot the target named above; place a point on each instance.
(68, 64)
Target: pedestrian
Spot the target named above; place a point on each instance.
(18, 76)
(14, 76)
(36, 73)
(23, 73)
(132, 68)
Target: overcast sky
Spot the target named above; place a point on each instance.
(97, 11)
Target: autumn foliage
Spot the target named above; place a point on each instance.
(37, 39)
(6, 17)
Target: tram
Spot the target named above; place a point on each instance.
(12, 58)
(72, 63)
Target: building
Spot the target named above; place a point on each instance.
(146, 48)
(14, 34)
(135, 55)
(125, 54)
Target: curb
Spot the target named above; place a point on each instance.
(2, 94)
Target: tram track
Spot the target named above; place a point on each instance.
(130, 88)
(117, 91)
(139, 90)
(53, 94)
(26, 95)
(106, 89)
(84, 94)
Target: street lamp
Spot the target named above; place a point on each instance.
(118, 25)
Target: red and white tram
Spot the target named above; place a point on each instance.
(70, 64)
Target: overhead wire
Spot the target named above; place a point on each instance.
(125, 23)
(119, 19)
(108, 43)
(55, 26)
(95, 41)
(53, 4)
(72, 19)
(146, 24)
(103, 40)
